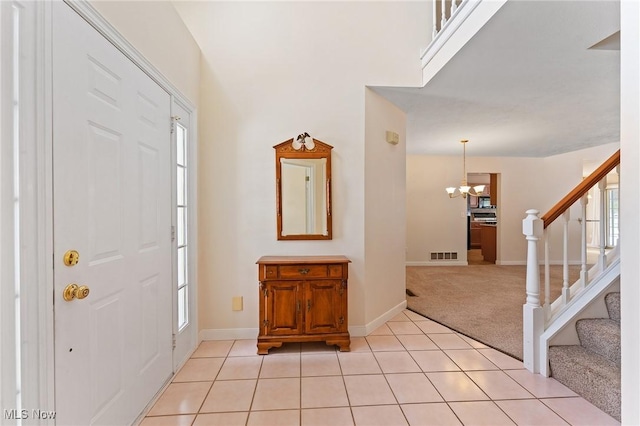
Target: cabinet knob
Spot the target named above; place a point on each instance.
(303, 271)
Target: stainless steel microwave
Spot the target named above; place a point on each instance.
(484, 202)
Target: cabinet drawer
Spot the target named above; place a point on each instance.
(271, 271)
(303, 271)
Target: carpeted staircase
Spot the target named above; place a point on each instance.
(592, 369)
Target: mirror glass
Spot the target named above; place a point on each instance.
(304, 200)
(303, 191)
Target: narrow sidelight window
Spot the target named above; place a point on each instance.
(181, 224)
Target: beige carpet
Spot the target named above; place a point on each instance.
(483, 302)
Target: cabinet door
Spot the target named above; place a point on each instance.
(476, 237)
(283, 310)
(493, 189)
(324, 305)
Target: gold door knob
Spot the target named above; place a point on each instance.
(74, 291)
(71, 258)
(82, 292)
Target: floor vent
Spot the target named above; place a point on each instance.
(444, 255)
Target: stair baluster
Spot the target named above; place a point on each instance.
(547, 276)
(602, 258)
(584, 275)
(565, 258)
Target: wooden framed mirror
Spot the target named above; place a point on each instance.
(303, 189)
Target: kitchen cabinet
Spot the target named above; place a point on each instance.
(493, 189)
(303, 299)
(488, 236)
(475, 235)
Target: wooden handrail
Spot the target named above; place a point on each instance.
(581, 189)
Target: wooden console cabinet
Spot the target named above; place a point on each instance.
(303, 299)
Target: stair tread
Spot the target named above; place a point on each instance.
(600, 335)
(612, 300)
(590, 375)
(584, 358)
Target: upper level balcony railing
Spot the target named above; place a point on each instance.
(451, 16)
(443, 12)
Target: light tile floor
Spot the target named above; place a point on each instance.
(410, 371)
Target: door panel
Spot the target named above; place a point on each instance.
(284, 310)
(112, 203)
(104, 150)
(324, 306)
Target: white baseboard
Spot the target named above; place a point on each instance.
(358, 330)
(361, 331)
(437, 263)
(227, 334)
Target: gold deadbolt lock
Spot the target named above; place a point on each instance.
(74, 291)
(71, 257)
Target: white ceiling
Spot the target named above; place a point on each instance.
(526, 84)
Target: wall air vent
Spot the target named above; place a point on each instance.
(444, 255)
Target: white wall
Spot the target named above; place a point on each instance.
(270, 71)
(385, 211)
(629, 208)
(156, 30)
(434, 222)
(437, 223)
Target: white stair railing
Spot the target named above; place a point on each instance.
(537, 318)
(443, 12)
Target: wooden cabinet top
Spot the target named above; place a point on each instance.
(283, 260)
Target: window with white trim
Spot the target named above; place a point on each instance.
(182, 247)
(612, 219)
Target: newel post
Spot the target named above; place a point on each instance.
(533, 314)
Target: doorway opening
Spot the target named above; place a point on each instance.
(482, 220)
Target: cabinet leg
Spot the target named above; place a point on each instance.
(345, 347)
(344, 344)
(263, 347)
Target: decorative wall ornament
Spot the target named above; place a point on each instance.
(303, 142)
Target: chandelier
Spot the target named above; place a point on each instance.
(464, 188)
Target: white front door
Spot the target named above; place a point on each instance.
(112, 204)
